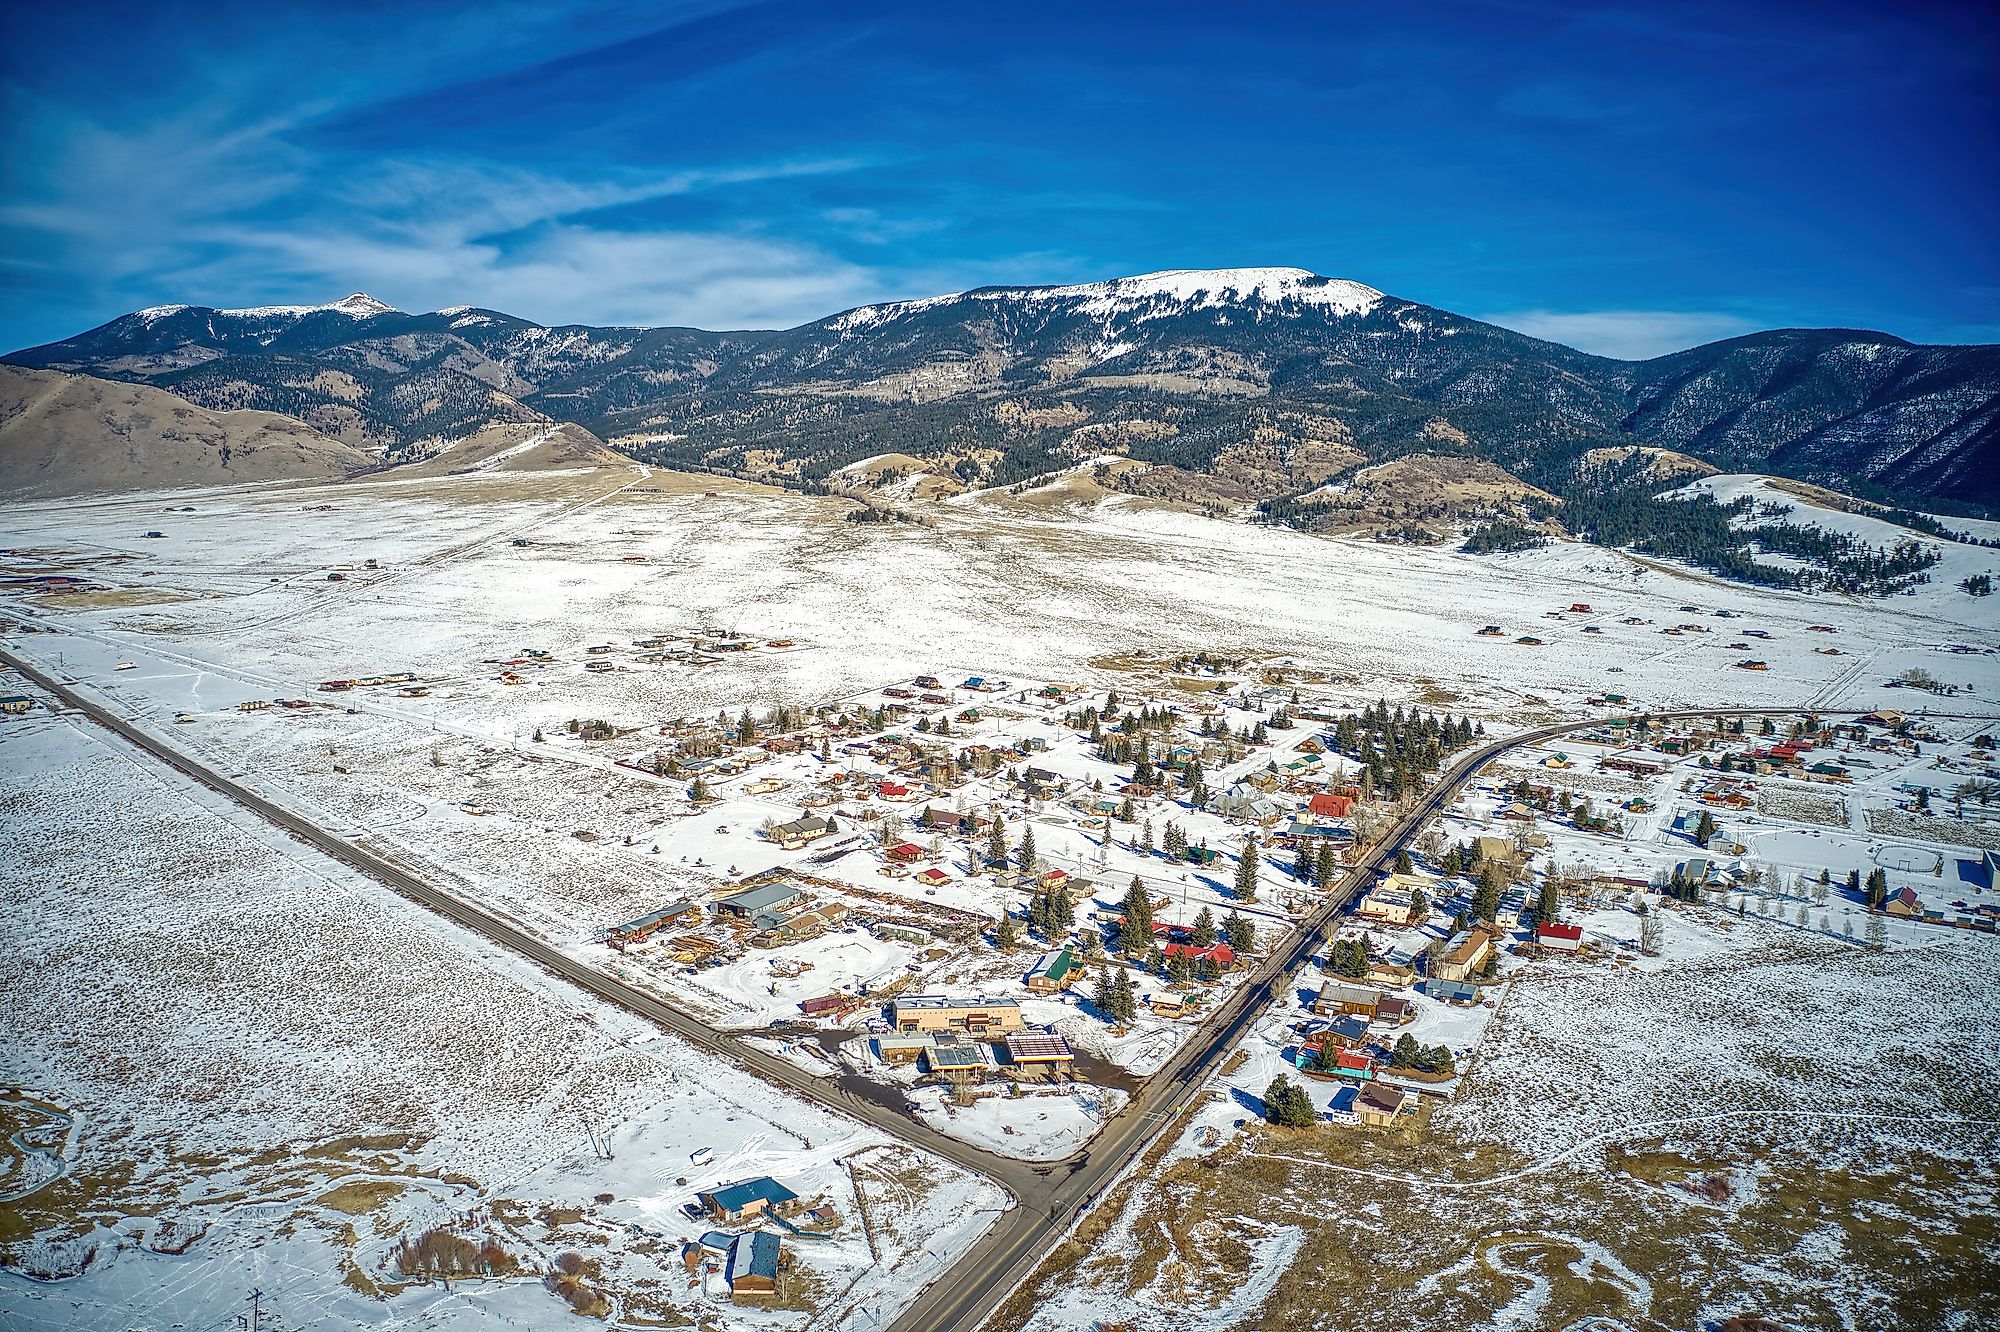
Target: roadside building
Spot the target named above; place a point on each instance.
(955, 1059)
(1033, 1047)
(1338, 998)
(934, 1013)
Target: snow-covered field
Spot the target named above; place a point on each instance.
(241, 1029)
(264, 1051)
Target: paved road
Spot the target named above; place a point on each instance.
(1010, 1174)
(1051, 1197)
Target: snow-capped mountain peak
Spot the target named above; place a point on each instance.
(361, 305)
(358, 305)
(1202, 288)
(1155, 295)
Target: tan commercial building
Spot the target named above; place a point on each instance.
(930, 1012)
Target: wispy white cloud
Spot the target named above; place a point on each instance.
(213, 207)
(1628, 335)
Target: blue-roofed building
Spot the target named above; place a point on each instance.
(1341, 1108)
(1980, 873)
(751, 1197)
(752, 902)
(753, 1264)
(1451, 991)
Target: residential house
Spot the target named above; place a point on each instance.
(1464, 954)
(1389, 975)
(1255, 807)
(1378, 1104)
(1451, 991)
(905, 853)
(1055, 972)
(1395, 1010)
(1221, 955)
(734, 1203)
(1559, 938)
(753, 1264)
(800, 832)
(1903, 902)
(950, 821)
(1348, 1032)
(1344, 997)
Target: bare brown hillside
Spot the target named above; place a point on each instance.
(65, 434)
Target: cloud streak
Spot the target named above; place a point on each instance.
(1625, 335)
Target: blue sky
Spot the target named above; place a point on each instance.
(1626, 178)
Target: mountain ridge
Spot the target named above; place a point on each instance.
(1008, 381)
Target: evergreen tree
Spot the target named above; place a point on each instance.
(1137, 930)
(1328, 871)
(1288, 1105)
(1547, 903)
(1420, 905)
(1203, 934)
(1241, 933)
(1180, 967)
(1403, 865)
(699, 791)
(1486, 898)
(1025, 857)
(1704, 828)
(1007, 936)
(1246, 872)
(1878, 888)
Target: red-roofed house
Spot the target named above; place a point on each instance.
(933, 877)
(905, 853)
(895, 791)
(1559, 938)
(1221, 954)
(1903, 902)
(1328, 806)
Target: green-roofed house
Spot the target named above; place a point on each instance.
(1055, 973)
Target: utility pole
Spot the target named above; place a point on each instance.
(249, 1321)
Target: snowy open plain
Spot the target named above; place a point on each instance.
(281, 1068)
